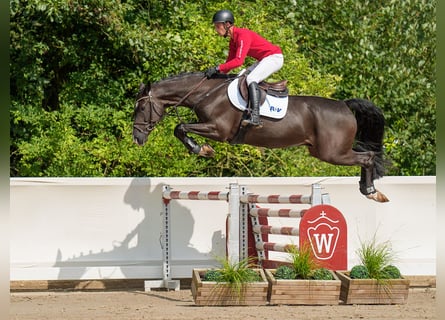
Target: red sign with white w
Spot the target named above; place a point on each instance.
(324, 228)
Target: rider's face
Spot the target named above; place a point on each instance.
(219, 28)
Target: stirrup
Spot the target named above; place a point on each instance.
(249, 122)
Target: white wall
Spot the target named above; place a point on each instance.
(105, 228)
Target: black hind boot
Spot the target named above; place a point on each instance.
(254, 105)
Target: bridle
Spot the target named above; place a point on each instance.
(149, 125)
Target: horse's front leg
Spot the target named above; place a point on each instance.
(190, 143)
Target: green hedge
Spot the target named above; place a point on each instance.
(76, 66)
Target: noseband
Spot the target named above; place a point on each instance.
(147, 125)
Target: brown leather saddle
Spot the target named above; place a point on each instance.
(277, 89)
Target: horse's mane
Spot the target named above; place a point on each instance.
(195, 74)
(184, 75)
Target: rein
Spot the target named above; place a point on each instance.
(185, 97)
(189, 93)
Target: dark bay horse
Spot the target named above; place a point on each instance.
(348, 133)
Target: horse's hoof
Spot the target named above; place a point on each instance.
(206, 151)
(377, 196)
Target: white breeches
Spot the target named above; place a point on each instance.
(264, 68)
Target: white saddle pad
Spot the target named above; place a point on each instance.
(273, 107)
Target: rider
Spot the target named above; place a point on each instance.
(244, 42)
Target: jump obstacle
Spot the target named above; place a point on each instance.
(321, 218)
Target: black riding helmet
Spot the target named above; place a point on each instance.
(223, 16)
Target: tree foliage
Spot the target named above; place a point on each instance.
(384, 51)
(76, 66)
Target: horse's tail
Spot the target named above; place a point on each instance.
(370, 131)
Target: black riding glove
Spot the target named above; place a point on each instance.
(211, 71)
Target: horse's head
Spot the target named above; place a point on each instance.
(146, 114)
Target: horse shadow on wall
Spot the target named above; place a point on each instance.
(141, 247)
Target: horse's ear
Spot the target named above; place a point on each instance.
(144, 88)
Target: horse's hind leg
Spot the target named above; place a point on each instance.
(366, 182)
(365, 159)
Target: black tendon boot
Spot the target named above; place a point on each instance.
(254, 102)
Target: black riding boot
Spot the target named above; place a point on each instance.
(254, 102)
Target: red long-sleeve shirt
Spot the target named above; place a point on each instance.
(245, 42)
